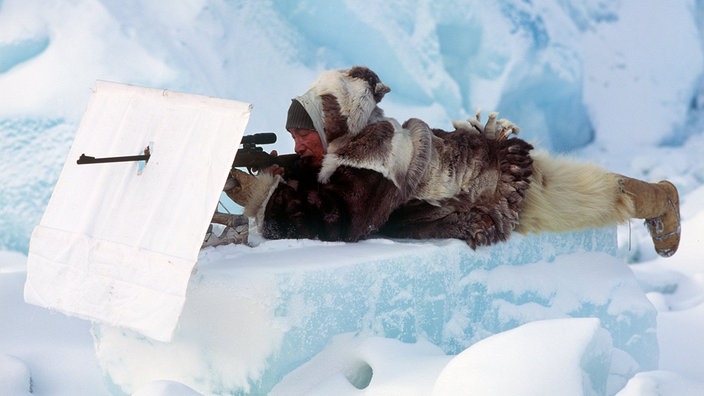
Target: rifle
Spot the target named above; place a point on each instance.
(254, 158)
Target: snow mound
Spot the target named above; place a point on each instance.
(352, 363)
(165, 388)
(660, 382)
(16, 379)
(550, 357)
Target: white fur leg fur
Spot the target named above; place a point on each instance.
(565, 195)
(259, 195)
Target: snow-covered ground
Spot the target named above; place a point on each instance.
(614, 82)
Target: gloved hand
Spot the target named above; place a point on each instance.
(238, 186)
(251, 192)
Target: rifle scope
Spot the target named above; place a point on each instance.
(259, 138)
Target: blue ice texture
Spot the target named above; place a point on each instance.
(16, 53)
(253, 315)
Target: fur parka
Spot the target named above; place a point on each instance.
(379, 177)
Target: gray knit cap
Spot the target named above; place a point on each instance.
(298, 117)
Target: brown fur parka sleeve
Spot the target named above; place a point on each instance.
(486, 213)
(354, 204)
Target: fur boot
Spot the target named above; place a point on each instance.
(658, 204)
(565, 196)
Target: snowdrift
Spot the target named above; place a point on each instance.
(255, 315)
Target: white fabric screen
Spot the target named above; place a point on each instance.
(117, 245)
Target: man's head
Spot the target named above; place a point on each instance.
(308, 143)
(340, 103)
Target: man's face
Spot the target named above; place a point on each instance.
(307, 144)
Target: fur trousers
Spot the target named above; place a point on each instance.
(565, 195)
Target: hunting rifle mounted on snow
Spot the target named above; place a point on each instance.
(254, 158)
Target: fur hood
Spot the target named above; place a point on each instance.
(344, 101)
(343, 105)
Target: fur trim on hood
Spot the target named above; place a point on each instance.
(355, 91)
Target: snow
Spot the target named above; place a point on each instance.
(618, 83)
(572, 345)
(351, 363)
(438, 292)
